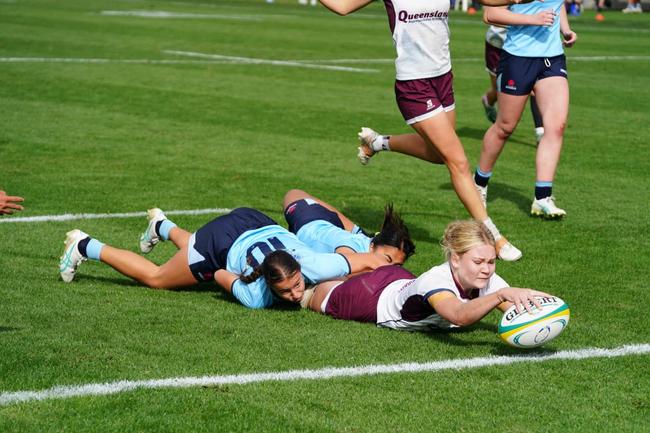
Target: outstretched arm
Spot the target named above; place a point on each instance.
(344, 7)
(504, 2)
(365, 262)
(448, 306)
(504, 17)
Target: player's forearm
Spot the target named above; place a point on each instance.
(564, 22)
(504, 17)
(344, 7)
(503, 2)
(467, 313)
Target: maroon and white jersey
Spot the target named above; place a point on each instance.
(421, 37)
(404, 304)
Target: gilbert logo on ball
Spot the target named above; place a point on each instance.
(539, 327)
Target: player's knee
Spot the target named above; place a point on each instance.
(458, 165)
(505, 129)
(293, 195)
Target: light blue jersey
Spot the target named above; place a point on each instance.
(250, 248)
(535, 41)
(324, 237)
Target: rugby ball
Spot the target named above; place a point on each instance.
(536, 328)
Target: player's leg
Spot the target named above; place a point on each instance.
(553, 100)
(294, 195)
(537, 118)
(160, 228)
(407, 144)
(173, 274)
(510, 109)
(438, 131)
(80, 247)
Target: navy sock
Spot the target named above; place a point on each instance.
(82, 246)
(543, 190)
(480, 178)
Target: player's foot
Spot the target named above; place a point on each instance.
(150, 236)
(546, 208)
(629, 9)
(482, 192)
(506, 251)
(366, 137)
(490, 110)
(71, 257)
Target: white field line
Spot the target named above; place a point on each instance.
(61, 392)
(251, 60)
(106, 61)
(90, 216)
(180, 15)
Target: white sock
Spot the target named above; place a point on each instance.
(492, 228)
(381, 143)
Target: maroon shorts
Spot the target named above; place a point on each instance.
(492, 56)
(356, 298)
(420, 99)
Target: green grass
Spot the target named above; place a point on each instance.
(118, 137)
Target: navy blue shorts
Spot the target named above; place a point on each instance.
(357, 298)
(518, 75)
(213, 240)
(304, 211)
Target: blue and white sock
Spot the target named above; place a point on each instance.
(163, 228)
(481, 178)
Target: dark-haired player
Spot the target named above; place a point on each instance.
(325, 229)
(236, 250)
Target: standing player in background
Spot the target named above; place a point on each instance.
(326, 230)
(9, 203)
(245, 252)
(458, 292)
(532, 60)
(425, 98)
(494, 39)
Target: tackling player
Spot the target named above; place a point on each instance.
(245, 252)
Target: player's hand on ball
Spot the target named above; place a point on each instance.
(523, 299)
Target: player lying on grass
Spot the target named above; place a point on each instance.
(245, 252)
(325, 229)
(458, 292)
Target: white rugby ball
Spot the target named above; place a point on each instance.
(539, 327)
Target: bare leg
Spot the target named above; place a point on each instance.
(180, 237)
(552, 96)
(173, 274)
(510, 109)
(298, 194)
(438, 131)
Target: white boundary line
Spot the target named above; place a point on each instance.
(62, 392)
(254, 61)
(180, 15)
(90, 216)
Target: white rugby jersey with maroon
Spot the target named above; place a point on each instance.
(421, 37)
(404, 304)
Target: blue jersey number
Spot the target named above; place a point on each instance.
(265, 247)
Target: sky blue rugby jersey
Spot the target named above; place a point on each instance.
(324, 237)
(535, 41)
(254, 245)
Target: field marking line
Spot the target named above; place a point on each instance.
(179, 15)
(90, 216)
(95, 389)
(252, 60)
(105, 61)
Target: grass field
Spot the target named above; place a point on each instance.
(107, 111)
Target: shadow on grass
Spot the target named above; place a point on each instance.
(8, 329)
(127, 282)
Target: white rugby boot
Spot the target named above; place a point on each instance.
(506, 251)
(150, 237)
(546, 208)
(366, 137)
(71, 257)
